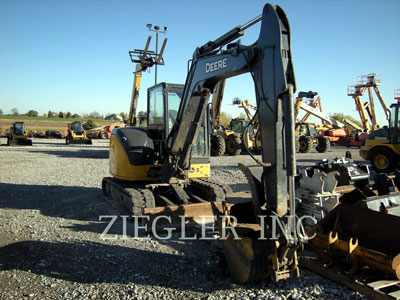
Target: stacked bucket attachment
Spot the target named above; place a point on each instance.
(362, 236)
(364, 228)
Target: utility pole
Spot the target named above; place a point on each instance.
(157, 30)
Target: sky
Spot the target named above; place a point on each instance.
(73, 55)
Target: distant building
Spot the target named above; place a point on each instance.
(114, 117)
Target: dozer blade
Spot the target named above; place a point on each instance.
(79, 141)
(366, 236)
(184, 215)
(26, 142)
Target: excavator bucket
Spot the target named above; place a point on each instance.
(19, 142)
(364, 236)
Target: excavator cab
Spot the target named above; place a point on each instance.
(394, 126)
(18, 135)
(138, 152)
(145, 148)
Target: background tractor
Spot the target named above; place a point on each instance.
(307, 138)
(382, 146)
(76, 134)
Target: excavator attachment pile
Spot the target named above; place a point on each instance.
(362, 228)
(362, 236)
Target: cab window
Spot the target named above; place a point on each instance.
(156, 103)
(174, 100)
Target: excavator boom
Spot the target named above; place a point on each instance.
(270, 62)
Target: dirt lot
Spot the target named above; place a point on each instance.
(50, 246)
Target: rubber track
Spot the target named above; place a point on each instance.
(132, 197)
(135, 197)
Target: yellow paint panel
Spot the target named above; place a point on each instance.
(199, 170)
(121, 168)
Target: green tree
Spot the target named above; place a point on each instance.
(61, 114)
(75, 116)
(242, 115)
(50, 114)
(32, 113)
(94, 115)
(340, 116)
(225, 119)
(14, 112)
(68, 115)
(123, 115)
(89, 125)
(141, 119)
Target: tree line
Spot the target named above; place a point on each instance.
(61, 114)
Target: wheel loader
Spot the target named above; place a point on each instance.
(17, 135)
(76, 134)
(228, 139)
(163, 169)
(308, 138)
(223, 140)
(382, 147)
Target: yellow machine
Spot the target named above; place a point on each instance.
(17, 135)
(223, 140)
(307, 134)
(137, 152)
(308, 138)
(77, 134)
(248, 129)
(154, 168)
(382, 146)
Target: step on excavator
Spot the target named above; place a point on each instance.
(163, 169)
(17, 135)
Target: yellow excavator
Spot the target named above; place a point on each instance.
(17, 135)
(164, 168)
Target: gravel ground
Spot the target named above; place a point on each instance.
(50, 246)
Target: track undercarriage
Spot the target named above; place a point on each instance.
(196, 200)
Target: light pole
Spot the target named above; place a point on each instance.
(157, 30)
